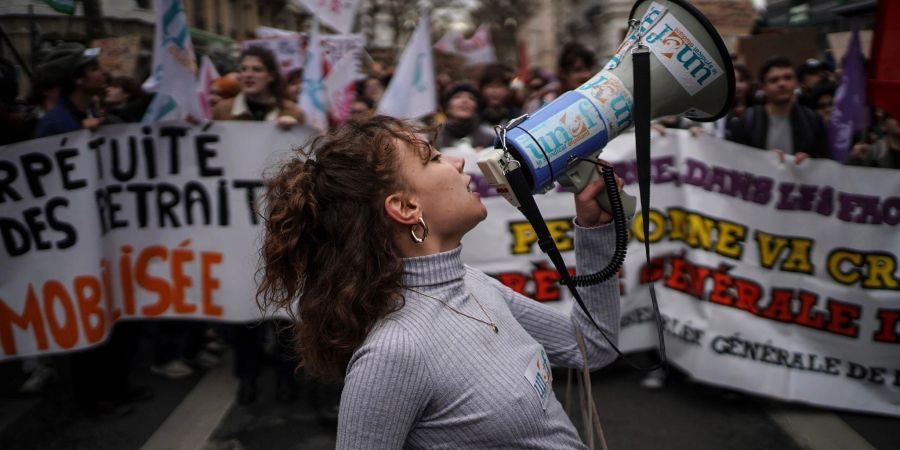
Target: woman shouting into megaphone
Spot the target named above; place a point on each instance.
(362, 248)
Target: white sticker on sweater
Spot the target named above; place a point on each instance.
(540, 377)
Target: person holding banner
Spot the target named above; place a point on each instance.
(781, 125)
(262, 98)
(262, 95)
(362, 248)
(81, 79)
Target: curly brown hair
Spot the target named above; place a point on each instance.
(328, 256)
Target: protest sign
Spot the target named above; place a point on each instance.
(288, 50)
(773, 278)
(118, 55)
(130, 222)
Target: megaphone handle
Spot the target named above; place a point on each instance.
(629, 202)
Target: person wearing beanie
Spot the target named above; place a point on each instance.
(499, 102)
(462, 106)
(809, 74)
(81, 78)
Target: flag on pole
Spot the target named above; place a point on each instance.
(313, 101)
(174, 67)
(62, 6)
(208, 74)
(478, 49)
(337, 14)
(449, 42)
(412, 92)
(340, 85)
(849, 113)
(884, 70)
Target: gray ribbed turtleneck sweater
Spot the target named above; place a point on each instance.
(427, 377)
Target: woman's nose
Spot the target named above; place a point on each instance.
(458, 162)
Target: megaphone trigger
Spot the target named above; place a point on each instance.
(628, 201)
(582, 172)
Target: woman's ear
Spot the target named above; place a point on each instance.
(402, 209)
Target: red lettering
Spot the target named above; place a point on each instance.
(152, 283)
(887, 326)
(180, 282)
(208, 283)
(66, 333)
(807, 316)
(545, 288)
(843, 316)
(31, 316)
(514, 280)
(87, 293)
(780, 307)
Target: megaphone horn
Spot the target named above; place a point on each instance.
(691, 74)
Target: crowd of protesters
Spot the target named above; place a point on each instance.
(784, 109)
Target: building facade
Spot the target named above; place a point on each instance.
(216, 25)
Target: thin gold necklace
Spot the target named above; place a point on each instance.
(490, 322)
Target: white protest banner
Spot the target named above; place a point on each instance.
(288, 50)
(130, 222)
(337, 14)
(412, 92)
(773, 278)
(335, 46)
(174, 67)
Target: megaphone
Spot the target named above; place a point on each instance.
(691, 75)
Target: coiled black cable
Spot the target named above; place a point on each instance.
(620, 224)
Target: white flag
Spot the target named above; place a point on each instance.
(208, 74)
(412, 92)
(340, 85)
(337, 14)
(313, 101)
(174, 67)
(449, 42)
(478, 49)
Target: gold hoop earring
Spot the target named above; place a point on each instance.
(412, 231)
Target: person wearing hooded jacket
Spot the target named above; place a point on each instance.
(462, 106)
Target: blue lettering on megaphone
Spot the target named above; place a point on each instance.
(561, 132)
(653, 37)
(611, 95)
(621, 106)
(694, 60)
(649, 21)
